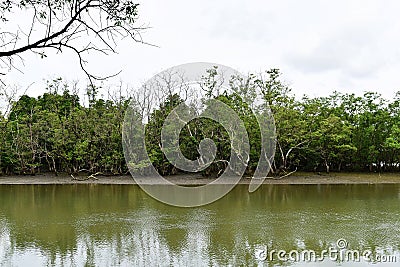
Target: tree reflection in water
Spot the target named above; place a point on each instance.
(112, 225)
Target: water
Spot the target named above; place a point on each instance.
(119, 225)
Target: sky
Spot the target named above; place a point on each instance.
(320, 46)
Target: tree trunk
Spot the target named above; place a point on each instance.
(327, 166)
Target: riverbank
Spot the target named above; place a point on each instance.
(297, 178)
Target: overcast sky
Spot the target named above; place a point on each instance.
(320, 46)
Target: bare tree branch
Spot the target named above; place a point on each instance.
(81, 26)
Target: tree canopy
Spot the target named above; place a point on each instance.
(56, 132)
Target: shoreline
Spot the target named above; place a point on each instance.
(197, 180)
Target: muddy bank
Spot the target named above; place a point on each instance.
(297, 178)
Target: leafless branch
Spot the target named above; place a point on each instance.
(82, 26)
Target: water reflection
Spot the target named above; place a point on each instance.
(109, 225)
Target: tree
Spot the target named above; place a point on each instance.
(153, 134)
(332, 141)
(81, 26)
(372, 122)
(291, 131)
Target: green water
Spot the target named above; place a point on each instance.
(119, 225)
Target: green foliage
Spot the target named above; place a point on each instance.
(55, 132)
